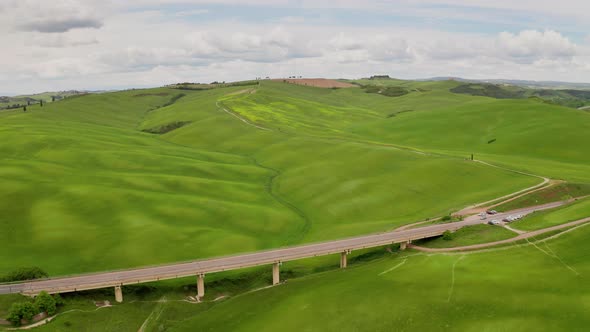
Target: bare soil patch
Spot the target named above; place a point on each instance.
(102, 303)
(248, 91)
(317, 82)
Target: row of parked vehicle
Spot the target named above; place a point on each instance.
(512, 218)
(507, 219)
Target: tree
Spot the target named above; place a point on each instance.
(46, 302)
(41, 102)
(15, 313)
(24, 108)
(29, 310)
(21, 310)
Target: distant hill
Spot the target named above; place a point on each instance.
(522, 83)
(574, 95)
(565, 97)
(7, 102)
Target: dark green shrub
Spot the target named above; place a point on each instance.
(446, 218)
(447, 236)
(24, 273)
(166, 128)
(174, 99)
(59, 301)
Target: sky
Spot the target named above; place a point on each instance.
(110, 44)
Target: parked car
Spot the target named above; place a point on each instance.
(491, 212)
(494, 222)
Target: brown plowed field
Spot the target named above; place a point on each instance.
(317, 82)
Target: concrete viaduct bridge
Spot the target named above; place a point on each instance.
(272, 257)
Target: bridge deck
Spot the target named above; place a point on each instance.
(184, 269)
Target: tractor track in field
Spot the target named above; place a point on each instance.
(232, 113)
(270, 188)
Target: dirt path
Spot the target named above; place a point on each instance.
(523, 236)
(517, 231)
(484, 206)
(154, 315)
(240, 118)
(551, 183)
(49, 319)
(480, 207)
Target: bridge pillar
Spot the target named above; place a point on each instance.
(343, 259)
(118, 294)
(403, 245)
(275, 273)
(200, 285)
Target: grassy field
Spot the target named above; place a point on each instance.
(89, 190)
(469, 235)
(522, 134)
(562, 215)
(88, 182)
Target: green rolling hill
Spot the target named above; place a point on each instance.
(83, 176)
(141, 177)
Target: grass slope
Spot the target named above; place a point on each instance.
(88, 192)
(520, 134)
(562, 215)
(559, 192)
(469, 235)
(313, 164)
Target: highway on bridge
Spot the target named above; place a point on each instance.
(274, 256)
